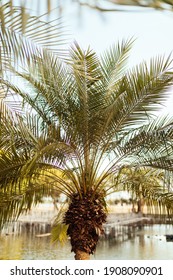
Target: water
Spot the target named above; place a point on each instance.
(100, 30)
(149, 242)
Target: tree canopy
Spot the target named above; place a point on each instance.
(71, 123)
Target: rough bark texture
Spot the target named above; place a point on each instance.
(80, 255)
(85, 218)
(140, 206)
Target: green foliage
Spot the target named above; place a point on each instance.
(72, 125)
(149, 185)
(59, 233)
(59, 229)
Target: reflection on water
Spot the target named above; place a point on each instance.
(24, 247)
(148, 242)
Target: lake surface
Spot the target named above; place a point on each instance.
(148, 243)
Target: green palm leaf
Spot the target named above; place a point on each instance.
(79, 124)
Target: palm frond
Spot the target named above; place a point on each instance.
(18, 26)
(147, 184)
(114, 63)
(59, 229)
(82, 122)
(140, 93)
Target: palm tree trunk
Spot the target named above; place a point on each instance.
(140, 205)
(85, 217)
(81, 255)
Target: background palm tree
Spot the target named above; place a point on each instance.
(80, 120)
(147, 187)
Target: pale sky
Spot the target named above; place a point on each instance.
(153, 30)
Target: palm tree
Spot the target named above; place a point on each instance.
(83, 120)
(147, 186)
